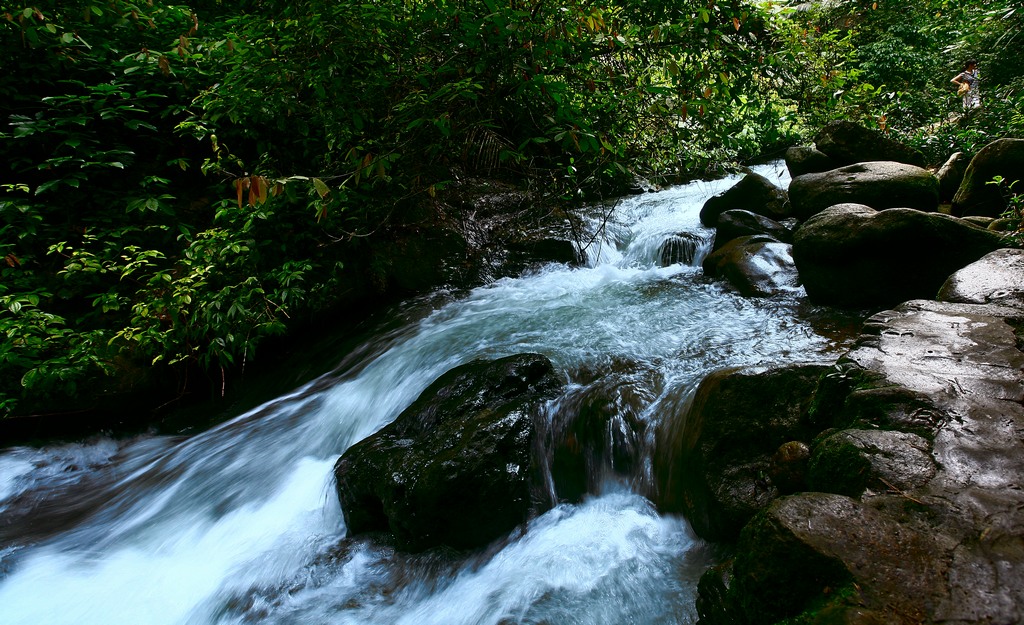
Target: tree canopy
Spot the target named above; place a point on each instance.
(182, 180)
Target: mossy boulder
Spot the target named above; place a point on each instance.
(829, 553)
(850, 461)
(713, 461)
(458, 467)
(922, 452)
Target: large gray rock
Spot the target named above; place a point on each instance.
(713, 459)
(997, 278)
(846, 142)
(456, 468)
(853, 256)
(802, 160)
(878, 184)
(1003, 157)
(754, 193)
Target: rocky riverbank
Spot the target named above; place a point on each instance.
(909, 505)
(888, 487)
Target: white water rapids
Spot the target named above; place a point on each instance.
(240, 524)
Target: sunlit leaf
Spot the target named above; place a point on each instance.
(321, 187)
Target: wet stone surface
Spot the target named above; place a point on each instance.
(914, 521)
(997, 278)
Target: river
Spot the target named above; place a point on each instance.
(240, 523)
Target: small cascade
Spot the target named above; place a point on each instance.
(686, 248)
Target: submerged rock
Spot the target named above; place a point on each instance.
(598, 431)
(757, 266)
(682, 248)
(459, 466)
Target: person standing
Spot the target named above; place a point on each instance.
(967, 81)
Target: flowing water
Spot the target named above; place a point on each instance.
(240, 524)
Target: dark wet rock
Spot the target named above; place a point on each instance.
(715, 261)
(598, 430)
(1003, 157)
(813, 547)
(754, 193)
(507, 230)
(757, 266)
(846, 142)
(802, 160)
(458, 467)
(850, 461)
(788, 467)
(951, 174)
(712, 462)
(996, 278)
(529, 253)
(712, 596)
(681, 248)
(736, 223)
(878, 184)
(928, 445)
(859, 398)
(853, 256)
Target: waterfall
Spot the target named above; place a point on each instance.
(240, 524)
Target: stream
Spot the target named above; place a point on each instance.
(240, 524)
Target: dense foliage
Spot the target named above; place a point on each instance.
(180, 181)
